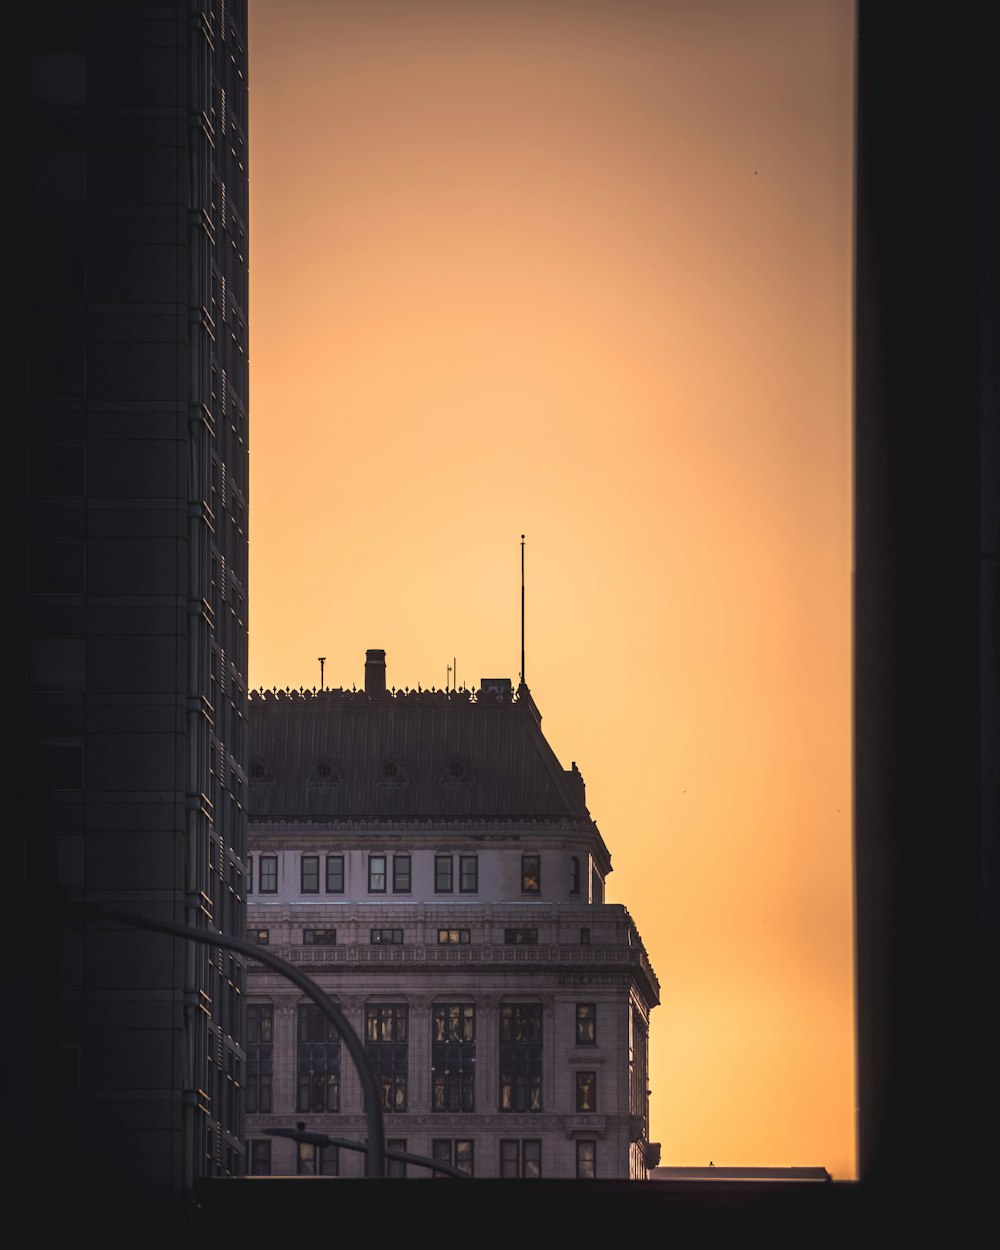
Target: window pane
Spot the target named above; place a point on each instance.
(469, 874)
(586, 1024)
(531, 874)
(443, 869)
(310, 874)
(318, 1061)
(453, 1057)
(521, 1057)
(376, 874)
(401, 874)
(386, 1038)
(396, 1168)
(586, 1091)
(335, 874)
(268, 874)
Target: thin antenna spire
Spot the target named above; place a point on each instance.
(523, 683)
(322, 661)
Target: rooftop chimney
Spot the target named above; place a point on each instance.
(374, 671)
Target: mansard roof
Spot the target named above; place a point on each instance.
(413, 755)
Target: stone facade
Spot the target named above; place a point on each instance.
(505, 1006)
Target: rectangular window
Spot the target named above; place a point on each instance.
(386, 937)
(335, 874)
(443, 873)
(319, 937)
(249, 874)
(260, 1061)
(310, 874)
(401, 874)
(259, 937)
(586, 1160)
(521, 1160)
(521, 1057)
(376, 874)
(453, 1057)
(318, 1062)
(520, 937)
(531, 874)
(586, 1024)
(458, 1152)
(395, 1169)
(260, 1156)
(468, 874)
(387, 1044)
(453, 937)
(586, 1092)
(317, 1160)
(268, 874)
(574, 874)
(584, 937)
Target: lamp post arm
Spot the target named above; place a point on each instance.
(375, 1151)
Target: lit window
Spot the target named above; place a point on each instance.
(318, 1061)
(458, 1152)
(586, 1024)
(586, 1160)
(468, 874)
(319, 937)
(386, 937)
(443, 874)
(453, 937)
(521, 1057)
(259, 937)
(520, 937)
(386, 1044)
(310, 874)
(586, 1091)
(376, 874)
(453, 1057)
(531, 874)
(268, 874)
(401, 874)
(317, 1160)
(335, 874)
(521, 1159)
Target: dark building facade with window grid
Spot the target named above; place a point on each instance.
(135, 474)
(456, 876)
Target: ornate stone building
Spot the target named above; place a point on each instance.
(428, 859)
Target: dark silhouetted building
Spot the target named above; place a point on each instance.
(134, 550)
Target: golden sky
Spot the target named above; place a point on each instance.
(583, 270)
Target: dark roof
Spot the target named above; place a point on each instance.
(349, 755)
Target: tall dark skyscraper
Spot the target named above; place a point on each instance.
(134, 549)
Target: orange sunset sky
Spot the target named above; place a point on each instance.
(583, 270)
